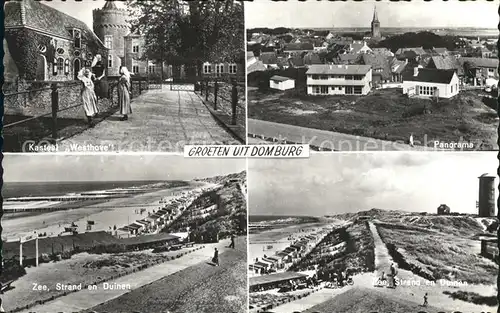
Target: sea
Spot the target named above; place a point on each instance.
(267, 218)
(37, 189)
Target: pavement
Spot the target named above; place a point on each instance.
(86, 299)
(263, 131)
(198, 288)
(162, 120)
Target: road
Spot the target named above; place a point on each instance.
(163, 120)
(86, 299)
(326, 140)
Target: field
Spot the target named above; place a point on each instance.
(81, 268)
(383, 114)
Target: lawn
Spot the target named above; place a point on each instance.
(383, 114)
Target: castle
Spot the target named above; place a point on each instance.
(124, 48)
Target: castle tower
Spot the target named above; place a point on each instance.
(110, 25)
(375, 25)
(487, 203)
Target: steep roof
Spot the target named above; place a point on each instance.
(299, 46)
(280, 78)
(296, 61)
(255, 67)
(431, 75)
(312, 58)
(268, 58)
(447, 63)
(378, 62)
(41, 17)
(481, 62)
(417, 50)
(338, 69)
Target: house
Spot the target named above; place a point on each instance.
(418, 51)
(269, 59)
(330, 36)
(298, 47)
(254, 65)
(485, 52)
(480, 69)
(312, 58)
(447, 63)
(443, 209)
(383, 51)
(440, 51)
(281, 83)
(63, 46)
(296, 61)
(427, 83)
(347, 58)
(283, 63)
(358, 47)
(397, 69)
(381, 68)
(339, 79)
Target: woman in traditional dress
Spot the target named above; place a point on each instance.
(101, 83)
(124, 91)
(88, 96)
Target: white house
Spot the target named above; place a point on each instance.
(281, 83)
(326, 79)
(431, 83)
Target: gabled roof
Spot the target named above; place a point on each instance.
(38, 16)
(268, 58)
(299, 46)
(280, 78)
(312, 58)
(348, 57)
(255, 67)
(417, 50)
(339, 69)
(296, 61)
(431, 75)
(357, 46)
(377, 62)
(440, 50)
(397, 66)
(481, 62)
(447, 63)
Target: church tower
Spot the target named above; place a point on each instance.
(110, 25)
(375, 25)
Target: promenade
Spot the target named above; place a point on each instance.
(162, 120)
(327, 140)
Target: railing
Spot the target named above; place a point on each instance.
(41, 113)
(226, 94)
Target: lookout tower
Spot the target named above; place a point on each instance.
(375, 25)
(486, 204)
(110, 25)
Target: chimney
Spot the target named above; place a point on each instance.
(415, 71)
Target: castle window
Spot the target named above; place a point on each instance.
(110, 60)
(135, 49)
(135, 69)
(219, 69)
(76, 53)
(60, 66)
(108, 41)
(232, 68)
(42, 48)
(207, 68)
(60, 50)
(77, 36)
(151, 68)
(66, 67)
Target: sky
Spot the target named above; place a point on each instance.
(417, 13)
(50, 168)
(342, 183)
(81, 10)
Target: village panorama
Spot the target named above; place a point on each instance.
(372, 86)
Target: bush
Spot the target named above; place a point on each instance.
(109, 248)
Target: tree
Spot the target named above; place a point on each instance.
(190, 32)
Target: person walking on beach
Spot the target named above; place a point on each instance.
(124, 91)
(215, 259)
(232, 241)
(425, 300)
(411, 140)
(88, 95)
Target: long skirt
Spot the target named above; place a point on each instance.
(101, 88)
(124, 100)
(89, 102)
